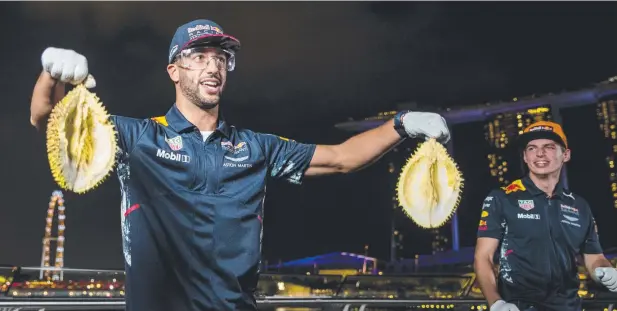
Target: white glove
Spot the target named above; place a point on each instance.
(67, 66)
(427, 124)
(608, 277)
(501, 305)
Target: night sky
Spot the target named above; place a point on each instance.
(303, 68)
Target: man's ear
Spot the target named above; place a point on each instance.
(566, 155)
(174, 73)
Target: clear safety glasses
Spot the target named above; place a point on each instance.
(199, 58)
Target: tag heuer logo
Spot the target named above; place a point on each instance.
(525, 204)
(174, 143)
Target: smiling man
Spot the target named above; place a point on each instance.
(542, 227)
(193, 186)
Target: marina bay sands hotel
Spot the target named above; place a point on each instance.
(502, 122)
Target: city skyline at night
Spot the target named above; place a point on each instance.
(442, 56)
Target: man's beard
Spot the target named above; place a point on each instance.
(190, 90)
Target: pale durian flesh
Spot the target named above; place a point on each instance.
(430, 185)
(81, 141)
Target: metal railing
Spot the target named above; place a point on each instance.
(328, 304)
(22, 290)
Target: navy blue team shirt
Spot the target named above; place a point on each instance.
(192, 210)
(541, 239)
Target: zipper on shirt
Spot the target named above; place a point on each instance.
(197, 157)
(210, 160)
(557, 258)
(216, 177)
(550, 235)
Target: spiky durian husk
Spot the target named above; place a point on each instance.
(81, 141)
(430, 186)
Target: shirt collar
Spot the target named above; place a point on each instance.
(531, 187)
(180, 124)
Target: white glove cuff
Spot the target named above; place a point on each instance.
(90, 82)
(497, 304)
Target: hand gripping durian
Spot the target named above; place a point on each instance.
(81, 141)
(430, 185)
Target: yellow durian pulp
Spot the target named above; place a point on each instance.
(430, 185)
(81, 141)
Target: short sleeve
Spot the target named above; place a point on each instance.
(592, 240)
(492, 222)
(287, 159)
(129, 131)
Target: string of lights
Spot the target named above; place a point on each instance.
(56, 203)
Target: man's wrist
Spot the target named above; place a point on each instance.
(496, 303)
(398, 123)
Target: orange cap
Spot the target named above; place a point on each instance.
(543, 129)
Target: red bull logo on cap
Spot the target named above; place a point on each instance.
(204, 28)
(541, 128)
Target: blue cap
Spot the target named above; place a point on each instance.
(201, 32)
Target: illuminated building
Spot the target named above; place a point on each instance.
(440, 240)
(339, 263)
(607, 117)
(500, 131)
(504, 121)
(396, 237)
(397, 241)
(56, 203)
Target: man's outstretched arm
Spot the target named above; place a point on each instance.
(365, 148)
(60, 66)
(47, 92)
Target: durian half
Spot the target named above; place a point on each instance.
(81, 141)
(430, 185)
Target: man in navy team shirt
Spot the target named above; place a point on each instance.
(193, 186)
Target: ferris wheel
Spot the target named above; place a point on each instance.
(56, 203)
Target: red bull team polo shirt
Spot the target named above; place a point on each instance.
(192, 210)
